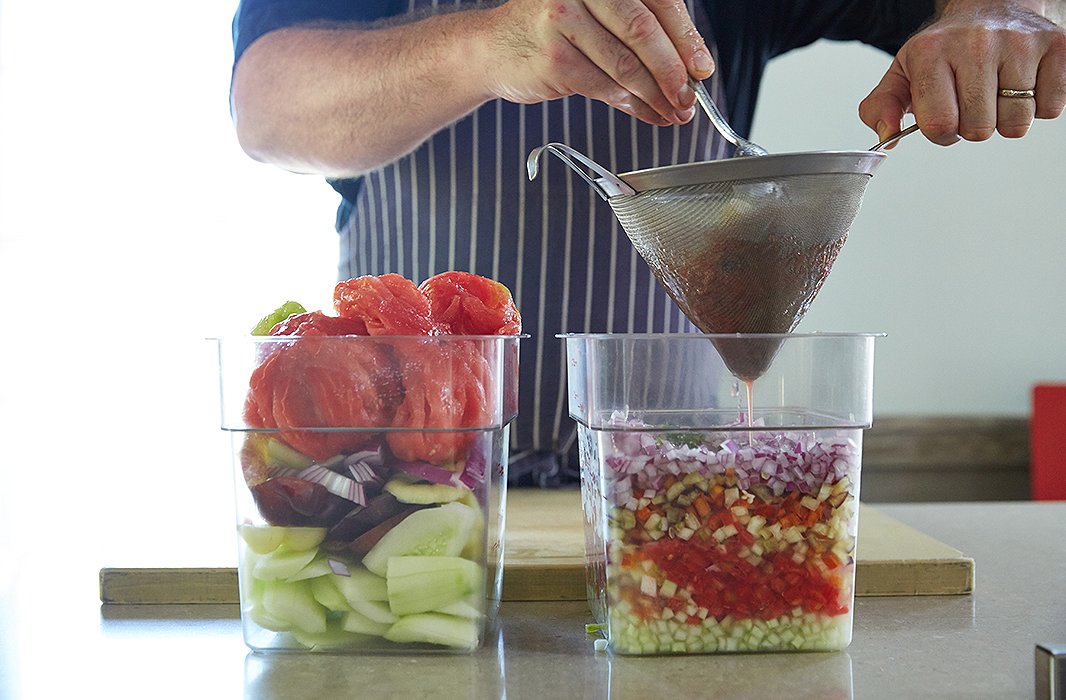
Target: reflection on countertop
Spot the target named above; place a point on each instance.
(56, 640)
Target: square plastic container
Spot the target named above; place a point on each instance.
(370, 481)
(709, 529)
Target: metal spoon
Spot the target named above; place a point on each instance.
(744, 147)
(895, 137)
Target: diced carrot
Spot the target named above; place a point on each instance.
(702, 504)
(831, 560)
(643, 514)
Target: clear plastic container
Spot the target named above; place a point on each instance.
(710, 528)
(370, 479)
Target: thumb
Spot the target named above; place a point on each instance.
(884, 107)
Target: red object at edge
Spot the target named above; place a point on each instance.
(1047, 443)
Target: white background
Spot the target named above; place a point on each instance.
(132, 227)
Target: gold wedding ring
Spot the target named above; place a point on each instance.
(1007, 92)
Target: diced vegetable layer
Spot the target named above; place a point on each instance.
(729, 545)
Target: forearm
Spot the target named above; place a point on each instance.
(342, 101)
(1054, 10)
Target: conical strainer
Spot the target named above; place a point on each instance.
(741, 245)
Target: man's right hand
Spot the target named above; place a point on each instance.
(635, 55)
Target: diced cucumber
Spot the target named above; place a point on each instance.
(293, 603)
(375, 610)
(441, 531)
(423, 494)
(326, 592)
(282, 563)
(360, 585)
(435, 628)
(361, 624)
(422, 584)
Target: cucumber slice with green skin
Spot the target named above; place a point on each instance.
(375, 610)
(361, 624)
(265, 539)
(292, 603)
(423, 494)
(360, 585)
(282, 563)
(277, 316)
(423, 584)
(441, 531)
(325, 591)
(435, 628)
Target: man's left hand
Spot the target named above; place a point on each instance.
(952, 75)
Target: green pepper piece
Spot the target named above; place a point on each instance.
(277, 316)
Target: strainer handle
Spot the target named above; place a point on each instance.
(609, 185)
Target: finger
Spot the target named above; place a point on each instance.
(674, 17)
(975, 86)
(615, 61)
(589, 80)
(883, 109)
(1051, 81)
(934, 101)
(1015, 114)
(637, 27)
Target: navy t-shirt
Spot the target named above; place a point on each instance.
(462, 200)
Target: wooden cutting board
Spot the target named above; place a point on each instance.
(544, 560)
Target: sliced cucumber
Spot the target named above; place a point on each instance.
(422, 584)
(360, 585)
(262, 540)
(292, 603)
(282, 563)
(471, 608)
(361, 624)
(278, 454)
(423, 494)
(334, 637)
(266, 538)
(375, 610)
(261, 617)
(326, 592)
(319, 566)
(441, 531)
(435, 628)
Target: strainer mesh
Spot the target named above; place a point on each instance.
(744, 256)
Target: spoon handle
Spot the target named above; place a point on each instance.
(744, 147)
(895, 137)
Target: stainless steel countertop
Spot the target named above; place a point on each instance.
(56, 640)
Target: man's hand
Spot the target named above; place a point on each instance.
(949, 75)
(635, 55)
